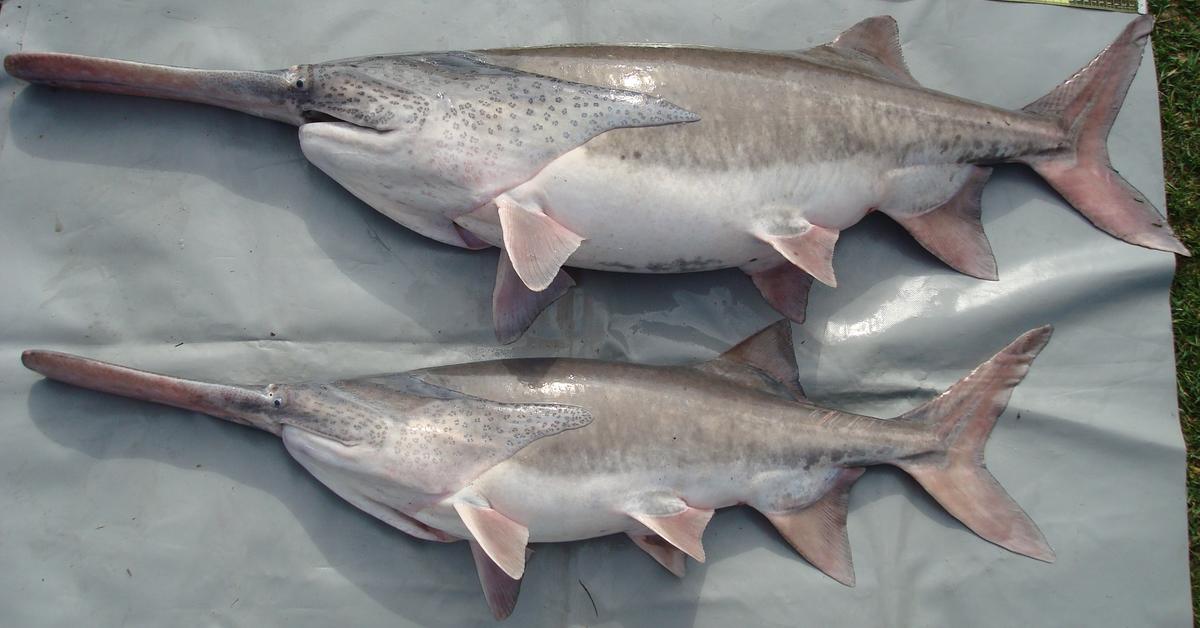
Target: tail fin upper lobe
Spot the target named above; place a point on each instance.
(1086, 106)
(955, 475)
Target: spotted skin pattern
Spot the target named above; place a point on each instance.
(426, 138)
(433, 438)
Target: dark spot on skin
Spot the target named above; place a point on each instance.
(682, 265)
(618, 265)
(278, 403)
(637, 154)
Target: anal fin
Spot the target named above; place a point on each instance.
(953, 231)
(501, 538)
(682, 529)
(661, 551)
(818, 531)
(536, 244)
(499, 589)
(810, 248)
(515, 306)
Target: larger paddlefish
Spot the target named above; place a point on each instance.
(668, 159)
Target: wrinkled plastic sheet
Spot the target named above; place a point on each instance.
(199, 242)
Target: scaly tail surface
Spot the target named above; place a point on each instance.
(1086, 105)
(955, 474)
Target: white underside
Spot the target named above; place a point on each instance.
(634, 215)
(646, 218)
(555, 507)
(559, 508)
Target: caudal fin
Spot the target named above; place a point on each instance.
(1086, 106)
(955, 474)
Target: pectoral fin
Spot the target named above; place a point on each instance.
(661, 551)
(810, 248)
(499, 590)
(953, 231)
(536, 245)
(502, 539)
(515, 306)
(818, 531)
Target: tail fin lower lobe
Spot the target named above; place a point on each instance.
(1086, 106)
(955, 474)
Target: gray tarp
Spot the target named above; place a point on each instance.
(199, 242)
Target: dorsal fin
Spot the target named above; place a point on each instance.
(765, 361)
(878, 40)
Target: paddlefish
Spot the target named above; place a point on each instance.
(668, 158)
(510, 452)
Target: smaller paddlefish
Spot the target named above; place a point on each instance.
(510, 452)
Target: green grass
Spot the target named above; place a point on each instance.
(1177, 56)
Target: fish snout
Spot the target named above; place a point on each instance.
(239, 404)
(275, 94)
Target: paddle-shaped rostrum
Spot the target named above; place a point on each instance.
(669, 159)
(510, 452)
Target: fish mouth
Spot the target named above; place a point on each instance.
(238, 404)
(267, 94)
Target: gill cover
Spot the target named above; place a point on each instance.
(426, 138)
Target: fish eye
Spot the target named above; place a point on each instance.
(275, 395)
(300, 83)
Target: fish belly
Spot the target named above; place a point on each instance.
(560, 507)
(653, 218)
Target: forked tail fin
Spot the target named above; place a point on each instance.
(955, 474)
(1086, 106)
